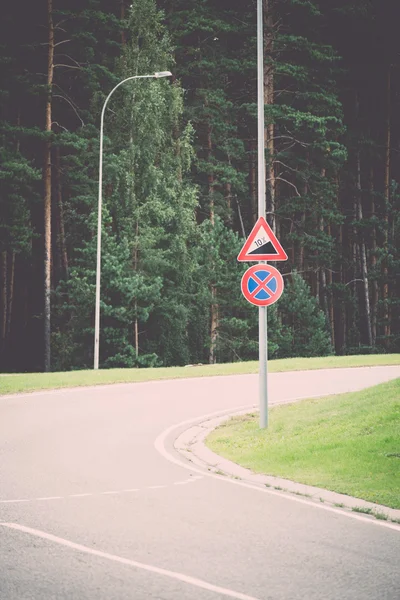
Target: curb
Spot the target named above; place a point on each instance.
(190, 444)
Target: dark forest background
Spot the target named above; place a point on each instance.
(180, 179)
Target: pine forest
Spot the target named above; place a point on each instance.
(180, 179)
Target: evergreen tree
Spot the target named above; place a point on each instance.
(304, 330)
(170, 285)
(149, 208)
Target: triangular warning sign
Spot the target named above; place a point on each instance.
(262, 244)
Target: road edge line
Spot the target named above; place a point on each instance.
(159, 445)
(200, 583)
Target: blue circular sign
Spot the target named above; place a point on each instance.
(262, 285)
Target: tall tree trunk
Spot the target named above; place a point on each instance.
(301, 242)
(47, 190)
(3, 304)
(324, 291)
(214, 325)
(343, 320)
(385, 290)
(269, 100)
(363, 253)
(240, 217)
(10, 296)
(253, 180)
(61, 244)
(213, 288)
(317, 285)
(355, 270)
(210, 176)
(228, 199)
(292, 250)
(228, 196)
(375, 287)
(122, 16)
(302, 231)
(136, 331)
(331, 312)
(135, 267)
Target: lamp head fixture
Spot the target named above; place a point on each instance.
(162, 74)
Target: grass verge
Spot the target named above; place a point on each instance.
(348, 443)
(29, 382)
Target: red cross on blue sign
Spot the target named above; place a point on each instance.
(262, 285)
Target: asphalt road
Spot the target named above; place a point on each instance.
(92, 506)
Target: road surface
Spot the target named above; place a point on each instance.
(93, 506)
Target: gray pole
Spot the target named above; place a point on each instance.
(99, 219)
(262, 341)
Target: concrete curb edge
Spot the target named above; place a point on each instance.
(191, 445)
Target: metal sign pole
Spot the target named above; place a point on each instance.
(262, 341)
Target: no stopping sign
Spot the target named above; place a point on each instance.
(262, 285)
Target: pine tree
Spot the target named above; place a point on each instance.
(304, 331)
(20, 185)
(149, 212)
(368, 85)
(170, 289)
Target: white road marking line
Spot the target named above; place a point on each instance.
(87, 494)
(132, 563)
(159, 445)
(79, 495)
(50, 498)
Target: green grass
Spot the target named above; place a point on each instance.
(28, 382)
(348, 443)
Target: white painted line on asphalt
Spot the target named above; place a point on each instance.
(79, 495)
(107, 493)
(50, 498)
(159, 445)
(199, 583)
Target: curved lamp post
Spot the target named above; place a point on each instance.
(99, 219)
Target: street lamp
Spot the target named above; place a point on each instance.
(99, 220)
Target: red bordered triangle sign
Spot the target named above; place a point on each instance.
(262, 244)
